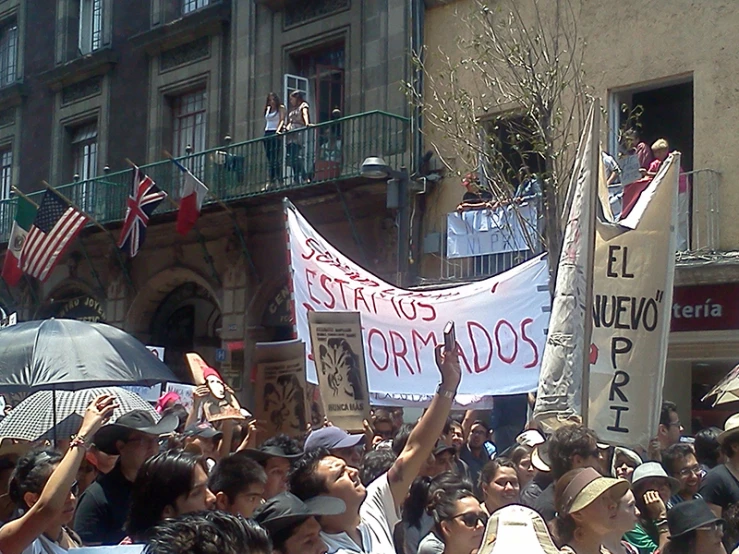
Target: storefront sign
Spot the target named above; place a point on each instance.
(85, 308)
(278, 311)
(706, 308)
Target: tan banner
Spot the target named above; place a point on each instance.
(632, 299)
(282, 405)
(338, 352)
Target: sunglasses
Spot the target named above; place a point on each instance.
(470, 519)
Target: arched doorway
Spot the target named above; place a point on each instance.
(73, 301)
(188, 319)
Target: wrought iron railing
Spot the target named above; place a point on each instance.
(318, 154)
(698, 212)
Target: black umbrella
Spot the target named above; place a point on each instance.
(68, 354)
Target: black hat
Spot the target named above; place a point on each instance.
(286, 510)
(689, 516)
(202, 431)
(264, 453)
(136, 420)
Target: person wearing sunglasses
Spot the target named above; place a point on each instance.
(587, 510)
(694, 529)
(459, 520)
(43, 485)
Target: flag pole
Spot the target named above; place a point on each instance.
(99, 226)
(595, 165)
(26, 198)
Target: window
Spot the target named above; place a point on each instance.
(85, 151)
(8, 53)
(189, 6)
(91, 26)
(6, 172)
(188, 127)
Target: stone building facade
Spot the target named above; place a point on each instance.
(96, 83)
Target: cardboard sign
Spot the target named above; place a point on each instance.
(282, 405)
(629, 168)
(221, 402)
(184, 391)
(338, 352)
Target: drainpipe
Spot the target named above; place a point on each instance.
(417, 11)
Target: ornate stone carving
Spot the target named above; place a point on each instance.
(82, 90)
(187, 53)
(300, 12)
(7, 117)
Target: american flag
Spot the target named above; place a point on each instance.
(141, 204)
(55, 226)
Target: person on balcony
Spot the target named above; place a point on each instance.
(661, 149)
(297, 118)
(476, 197)
(274, 123)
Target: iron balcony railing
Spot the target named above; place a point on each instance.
(298, 159)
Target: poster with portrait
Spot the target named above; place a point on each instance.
(338, 352)
(282, 403)
(220, 403)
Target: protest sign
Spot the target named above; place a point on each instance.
(629, 165)
(338, 352)
(184, 391)
(221, 402)
(157, 351)
(282, 405)
(500, 321)
(632, 301)
(482, 232)
(150, 394)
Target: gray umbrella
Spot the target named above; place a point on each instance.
(33, 419)
(68, 354)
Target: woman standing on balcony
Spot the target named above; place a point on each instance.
(297, 118)
(274, 122)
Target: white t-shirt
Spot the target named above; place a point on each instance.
(378, 519)
(42, 545)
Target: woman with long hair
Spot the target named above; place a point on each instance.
(459, 520)
(520, 455)
(43, 487)
(170, 484)
(587, 508)
(499, 484)
(274, 123)
(694, 529)
(297, 118)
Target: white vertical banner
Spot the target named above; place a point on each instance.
(632, 299)
(560, 392)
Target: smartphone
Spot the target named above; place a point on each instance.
(450, 337)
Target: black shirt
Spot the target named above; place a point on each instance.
(532, 491)
(545, 504)
(720, 487)
(103, 509)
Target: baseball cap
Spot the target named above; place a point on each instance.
(441, 446)
(331, 438)
(203, 431)
(286, 510)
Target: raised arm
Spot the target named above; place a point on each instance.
(18, 534)
(423, 438)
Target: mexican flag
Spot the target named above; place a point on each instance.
(24, 216)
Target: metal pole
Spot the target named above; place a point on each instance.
(403, 226)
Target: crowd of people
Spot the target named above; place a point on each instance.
(440, 485)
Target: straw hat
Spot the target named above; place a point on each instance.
(587, 487)
(649, 470)
(514, 529)
(731, 427)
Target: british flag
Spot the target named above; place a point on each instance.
(141, 204)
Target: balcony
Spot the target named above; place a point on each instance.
(328, 152)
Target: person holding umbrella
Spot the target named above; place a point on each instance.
(43, 486)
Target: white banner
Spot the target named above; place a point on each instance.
(632, 300)
(482, 232)
(500, 321)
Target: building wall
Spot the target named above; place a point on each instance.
(625, 50)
